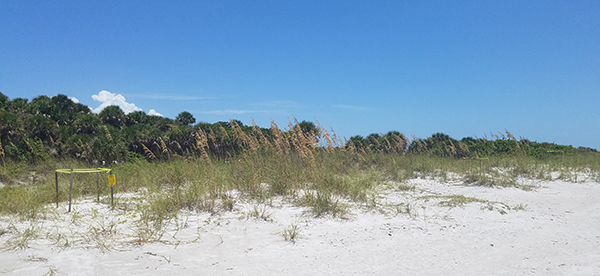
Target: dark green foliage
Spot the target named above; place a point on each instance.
(443, 145)
(58, 127)
(392, 142)
(439, 144)
(136, 117)
(40, 105)
(112, 115)
(29, 150)
(41, 127)
(185, 118)
(3, 100)
(59, 108)
(11, 129)
(309, 129)
(165, 124)
(86, 124)
(17, 105)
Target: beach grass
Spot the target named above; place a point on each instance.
(325, 181)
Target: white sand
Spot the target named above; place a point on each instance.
(558, 233)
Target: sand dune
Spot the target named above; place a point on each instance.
(553, 229)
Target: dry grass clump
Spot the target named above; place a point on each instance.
(263, 141)
(299, 142)
(246, 141)
(1, 154)
(279, 143)
(149, 154)
(202, 144)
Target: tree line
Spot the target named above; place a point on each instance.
(57, 127)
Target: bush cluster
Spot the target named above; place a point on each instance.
(58, 127)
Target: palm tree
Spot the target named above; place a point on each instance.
(17, 105)
(86, 124)
(41, 127)
(3, 100)
(136, 117)
(112, 115)
(185, 118)
(11, 132)
(65, 111)
(40, 105)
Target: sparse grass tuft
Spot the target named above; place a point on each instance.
(292, 233)
(405, 187)
(260, 212)
(458, 200)
(321, 203)
(21, 239)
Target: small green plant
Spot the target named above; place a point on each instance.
(151, 223)
(101, 230)
(228, 202)
(405, 187)
(292, 233)
(458, 200)
(52, 271)
(60, 240)
(76, 217)
(404, 208)
(321, 203)
(22, 238)
(519, 207)
(371, 202)
(261, 213)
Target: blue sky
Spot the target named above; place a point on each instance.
(464, 68)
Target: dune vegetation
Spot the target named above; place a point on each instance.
(177, 164)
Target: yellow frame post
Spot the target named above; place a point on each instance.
(72, 171)
(70, 189)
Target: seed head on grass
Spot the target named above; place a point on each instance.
(148, 152)
(281, 145)
(350, 146)
(224, 135)
(246, 141)
(163, 146)
(107, 133)
(513, 138)
(299, 141)
(325, 135)
(264, 142)
(1, 154)
(202, 144)
(337, 141)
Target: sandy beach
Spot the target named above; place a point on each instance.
(439, 228)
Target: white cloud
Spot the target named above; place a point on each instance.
(153, 112)
(75, 100)
(107, 99)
